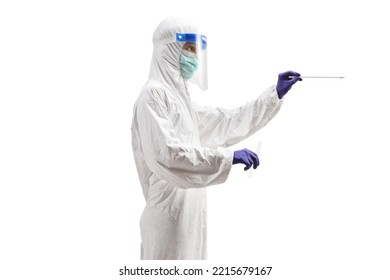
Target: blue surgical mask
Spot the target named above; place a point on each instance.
(188, 64)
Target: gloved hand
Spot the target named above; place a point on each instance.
(285, 82)
(246, 157)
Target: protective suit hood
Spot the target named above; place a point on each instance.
(165, 66)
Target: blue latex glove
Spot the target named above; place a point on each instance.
(246, 157)
(285, 82)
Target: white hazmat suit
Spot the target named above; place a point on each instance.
(180, 148)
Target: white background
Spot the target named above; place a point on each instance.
(70, 201)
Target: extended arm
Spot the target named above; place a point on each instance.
(223, 128)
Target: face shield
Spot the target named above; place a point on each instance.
(193, 58)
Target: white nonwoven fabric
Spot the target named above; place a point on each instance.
(180, 148)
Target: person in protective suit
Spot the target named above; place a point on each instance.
(180, 148)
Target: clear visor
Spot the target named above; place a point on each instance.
(195, 53)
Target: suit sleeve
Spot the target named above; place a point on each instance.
(180, 164)
(223, 128)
